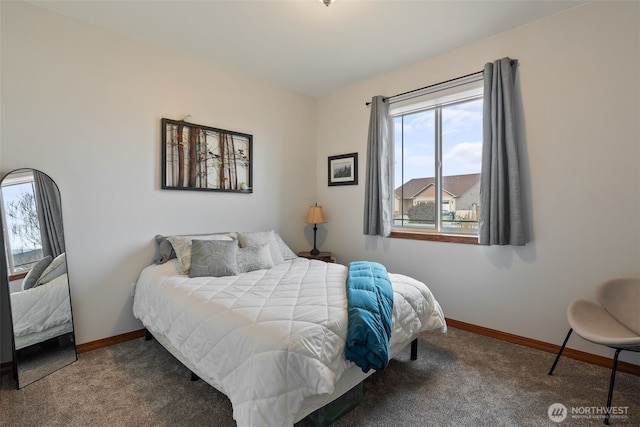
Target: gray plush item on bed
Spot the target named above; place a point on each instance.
(164, 250)
(214, 258)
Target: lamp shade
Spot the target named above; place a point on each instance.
(315, 215)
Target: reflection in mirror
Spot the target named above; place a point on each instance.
(36, 275)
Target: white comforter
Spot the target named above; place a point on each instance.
(269, 338)
(40, 308)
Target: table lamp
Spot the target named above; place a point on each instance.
(315, 217)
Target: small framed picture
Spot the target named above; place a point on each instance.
(343, 169)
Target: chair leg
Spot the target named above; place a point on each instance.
(414, 349)
(613, 379)
(555, 362)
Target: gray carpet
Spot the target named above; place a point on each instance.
(461, 379)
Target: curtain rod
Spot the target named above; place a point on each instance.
(435, 87)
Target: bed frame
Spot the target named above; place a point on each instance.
(350, 378)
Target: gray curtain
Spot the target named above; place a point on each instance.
(377, 198)
(500, 221)
(49, 214)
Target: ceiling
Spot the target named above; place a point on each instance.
(303, 45)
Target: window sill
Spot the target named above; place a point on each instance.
(421, 235)
(17, 276)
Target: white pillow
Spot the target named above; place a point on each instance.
(57, 267)
(182, 247)
(285, 250)
(254, 258)
(257, 238)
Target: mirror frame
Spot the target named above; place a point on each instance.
(5, 284)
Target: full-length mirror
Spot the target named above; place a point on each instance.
(36, 275)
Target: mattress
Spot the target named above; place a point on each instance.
(272, 340)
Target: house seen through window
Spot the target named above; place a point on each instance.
(22, 229)
(437, 161)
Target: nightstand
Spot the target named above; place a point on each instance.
(322, 256)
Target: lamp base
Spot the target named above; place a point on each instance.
(315, 250)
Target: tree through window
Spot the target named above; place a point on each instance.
(22, 228)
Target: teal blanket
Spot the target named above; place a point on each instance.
(370, 307)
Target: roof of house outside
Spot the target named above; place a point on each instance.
(455, 185)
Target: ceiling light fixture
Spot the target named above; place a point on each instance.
(327, 2)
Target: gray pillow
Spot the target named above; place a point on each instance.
(257, 238)
(164, 250)
(57, 267)
(182, 247)
(214, 258)
(254, 258)
(36, 271)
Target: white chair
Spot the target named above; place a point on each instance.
(615, 322)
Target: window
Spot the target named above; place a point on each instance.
(22, 229)
(437, 163)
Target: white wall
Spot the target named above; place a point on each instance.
(580, 151)
(84, 105)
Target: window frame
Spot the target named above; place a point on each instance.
(436, 101)
(17, 179)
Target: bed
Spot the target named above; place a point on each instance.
(273, 338)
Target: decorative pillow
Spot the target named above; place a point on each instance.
(254, 258)
(213, 258)
(57, 267)
(285, 250)
(36, 271)
(164, 249)
(257, 238)
(182, 247)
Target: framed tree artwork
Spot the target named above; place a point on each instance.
(343, 169)
(197, 157)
